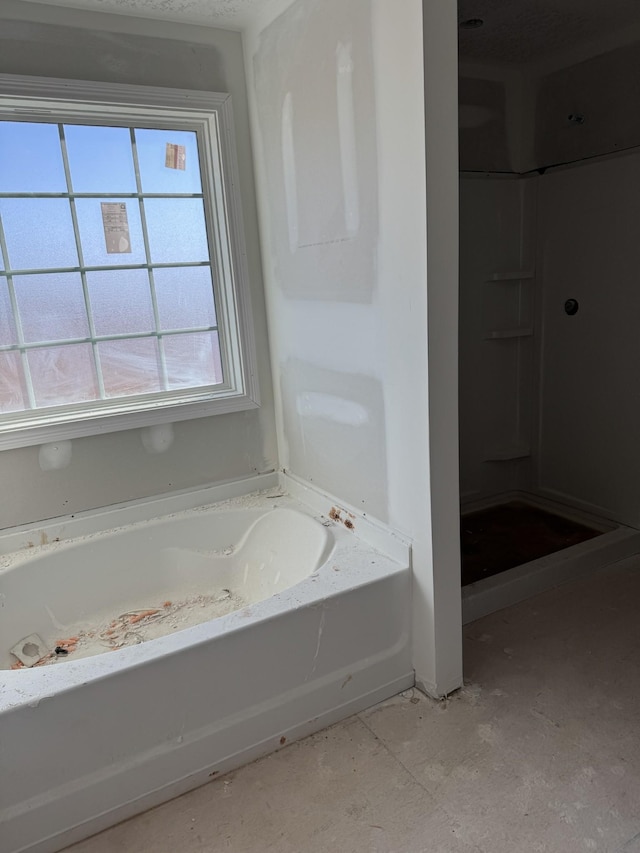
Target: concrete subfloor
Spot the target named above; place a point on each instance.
(539, 752)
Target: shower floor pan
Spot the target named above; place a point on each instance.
(583, 545)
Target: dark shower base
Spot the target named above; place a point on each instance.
(494, 540)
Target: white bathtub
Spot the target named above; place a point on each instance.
(88, 739)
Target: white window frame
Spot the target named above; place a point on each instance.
(209, 115)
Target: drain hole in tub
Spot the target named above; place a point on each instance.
(29, 651)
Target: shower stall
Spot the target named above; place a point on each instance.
(549, 412)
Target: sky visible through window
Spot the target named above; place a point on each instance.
(106, 284)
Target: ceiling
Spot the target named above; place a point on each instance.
(233, 14)
(514, 31)
(520, 31)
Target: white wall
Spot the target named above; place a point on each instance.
(49, 41)
(337, 106)
(497, 231)
(590, 406)
(312, 70)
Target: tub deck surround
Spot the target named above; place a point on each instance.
(91, 741)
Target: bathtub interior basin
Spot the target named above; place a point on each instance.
(100, 593)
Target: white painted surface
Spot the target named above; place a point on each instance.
(111, 468)
(348, 302)
(163, 727)
(436, 603)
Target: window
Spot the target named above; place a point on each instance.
(123, 288)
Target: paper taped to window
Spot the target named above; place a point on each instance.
(116, 227)
(175, 157)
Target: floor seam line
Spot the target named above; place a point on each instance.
(440, 807)
(398, 761)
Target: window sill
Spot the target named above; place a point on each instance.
(14, 435)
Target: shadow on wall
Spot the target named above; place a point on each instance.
(603, 93)
(334, 423)
(318, 125)
(52, 51)
(483, 130)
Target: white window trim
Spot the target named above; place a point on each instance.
(210, 115)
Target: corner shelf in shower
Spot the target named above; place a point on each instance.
(511, 275)
(508, 454)
(503, 334)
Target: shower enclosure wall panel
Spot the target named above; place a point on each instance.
(589, 454)
(497, 334)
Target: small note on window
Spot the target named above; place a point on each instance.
(175, 157)
(116, 227)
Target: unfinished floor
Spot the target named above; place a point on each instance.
(539, 752)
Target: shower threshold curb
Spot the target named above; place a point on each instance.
(522, 582)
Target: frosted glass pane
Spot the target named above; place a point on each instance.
(31, 158)
(185, 297)
(13, 394)
(7, 326)
(100, 159)
(51, 307)
(155, 175)
(130, 367)
(193, 360)
(121, 302)
(39, 233)
(176, 230)
(63, 374)
(92, 235)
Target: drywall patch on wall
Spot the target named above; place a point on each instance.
(348, 143)
(157, 438)
(54, 456)
(320, 148)
(107, 469)
(334, 427)
(289, 173)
